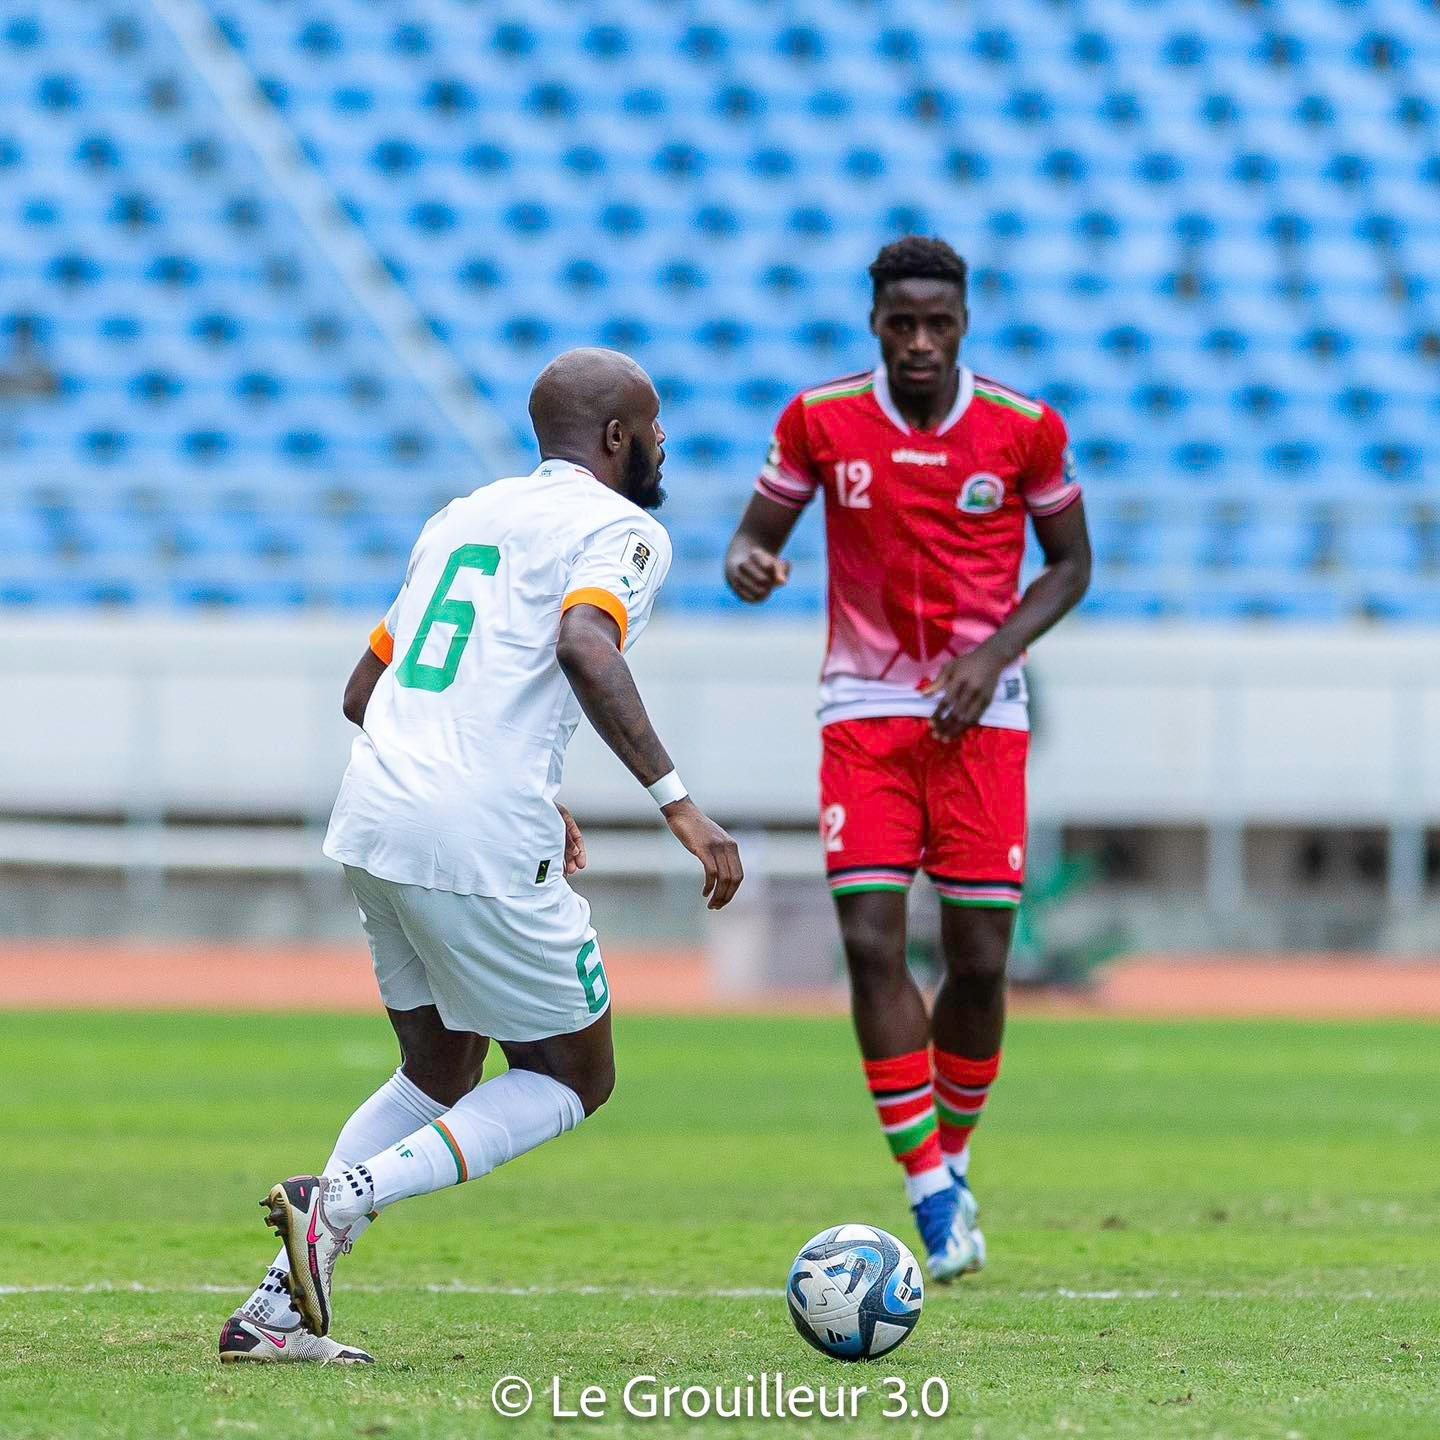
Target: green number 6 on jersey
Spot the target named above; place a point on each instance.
(411, 673)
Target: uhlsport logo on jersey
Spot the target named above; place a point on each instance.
(981, 494)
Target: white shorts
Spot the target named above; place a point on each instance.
(514, 967)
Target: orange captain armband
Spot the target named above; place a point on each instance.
(601, 600)
(382, 642)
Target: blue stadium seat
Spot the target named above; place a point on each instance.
(1205, 238)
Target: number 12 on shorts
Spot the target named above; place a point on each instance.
(591, 970)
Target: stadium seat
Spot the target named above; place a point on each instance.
(1204, 238)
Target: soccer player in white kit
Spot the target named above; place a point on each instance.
(517, 606)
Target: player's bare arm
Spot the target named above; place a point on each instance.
(753, 567)
(588, 650)
(967, 684)
(361, 685)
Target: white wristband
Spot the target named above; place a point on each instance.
(667, 790)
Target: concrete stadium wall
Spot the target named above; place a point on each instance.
(1154, 724)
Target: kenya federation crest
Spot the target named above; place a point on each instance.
(981, 494)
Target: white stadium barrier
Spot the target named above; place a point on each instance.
(237, 722)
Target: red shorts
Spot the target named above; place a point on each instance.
(895, 800)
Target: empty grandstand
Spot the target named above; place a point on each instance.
(1206, 231)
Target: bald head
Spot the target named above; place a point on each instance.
(599, 409)
(580, 392)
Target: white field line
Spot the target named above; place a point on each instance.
(646, 1292)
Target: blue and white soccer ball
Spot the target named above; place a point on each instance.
(855, 1292)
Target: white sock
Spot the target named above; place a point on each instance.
(927, 1183)
(959, 1162)
(270, 1301)
(495, 1122)
(390, 1113)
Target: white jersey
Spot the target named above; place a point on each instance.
(452, 782)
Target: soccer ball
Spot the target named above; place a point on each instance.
(855, 1292)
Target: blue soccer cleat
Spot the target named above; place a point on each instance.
(953, 1243)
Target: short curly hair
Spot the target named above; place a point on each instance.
(916, 258)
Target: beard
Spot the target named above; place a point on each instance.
(642, 478)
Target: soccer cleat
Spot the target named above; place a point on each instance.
(248, 1341)
(953, 1244)
(297, 1214)
(935, 1219)
(970, 1213)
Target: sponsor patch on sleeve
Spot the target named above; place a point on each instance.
(639, 562)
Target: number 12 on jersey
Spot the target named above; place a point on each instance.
(852, 483)
(412, 673)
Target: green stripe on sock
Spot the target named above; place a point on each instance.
(899, 888)
(455, 1155)
(961, 1119)
(902, 1142)
(980, 904)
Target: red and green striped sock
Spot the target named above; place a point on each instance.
(961, 1089)
(905, 1100)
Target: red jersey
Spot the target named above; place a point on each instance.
(925, 531)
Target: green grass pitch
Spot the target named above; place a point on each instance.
(1196, 1230)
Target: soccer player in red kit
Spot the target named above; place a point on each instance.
(930, 474)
